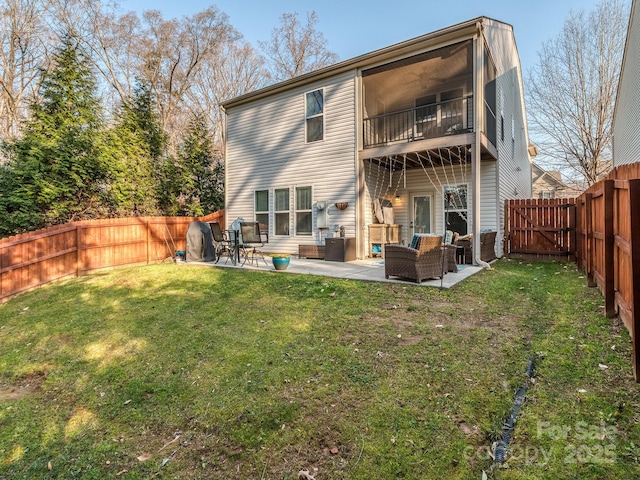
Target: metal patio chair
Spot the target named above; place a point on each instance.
(221, 242)
(252, 240)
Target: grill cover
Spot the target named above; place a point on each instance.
(200, 243)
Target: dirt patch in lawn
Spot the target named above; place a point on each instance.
(23, 386)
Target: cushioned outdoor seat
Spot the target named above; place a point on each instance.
(423, 259)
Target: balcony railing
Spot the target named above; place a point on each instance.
(429, 121)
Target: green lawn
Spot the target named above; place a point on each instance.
(173, 371)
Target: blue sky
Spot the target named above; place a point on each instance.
(355, 27)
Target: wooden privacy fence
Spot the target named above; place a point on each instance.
(609, 246)
(35, 258)
(600, 230)
(541, 228)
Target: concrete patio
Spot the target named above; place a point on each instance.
(370, 269)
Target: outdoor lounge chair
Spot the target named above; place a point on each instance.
(424, 261)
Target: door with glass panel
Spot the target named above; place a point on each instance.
(421, 216)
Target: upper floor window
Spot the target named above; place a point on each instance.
(304, 215)
(314, 115)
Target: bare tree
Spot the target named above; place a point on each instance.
(24, 42)
(172, 54)
(190, 64)
(110, 38)
(235, 70)
(166, 55)
(572, 91)
(295, 49)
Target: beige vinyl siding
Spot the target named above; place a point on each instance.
(266, 149)
(513, 168)
(417, 182)
(626, 141)
(489, 203)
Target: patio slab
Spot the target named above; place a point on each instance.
(369, 269)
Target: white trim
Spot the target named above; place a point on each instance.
(277, 212)
(266, 212)
(455, 210)
(412, 220)
(317, 115)
(304, 210)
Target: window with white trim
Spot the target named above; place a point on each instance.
(314, 116)
(456, 208)
(546, 195)
(281, 211)
(261, 207)
(304, 216)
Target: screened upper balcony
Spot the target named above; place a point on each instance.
(424, 96)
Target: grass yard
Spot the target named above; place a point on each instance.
(187, 372)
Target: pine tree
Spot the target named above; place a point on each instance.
(136, 149)
(194, 181)
(55, 171)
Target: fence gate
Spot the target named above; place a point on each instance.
(541, 228)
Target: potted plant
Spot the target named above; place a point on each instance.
(280, 260)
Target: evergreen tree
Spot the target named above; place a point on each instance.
(55, 172)
(194, 181)
(136, 148)
(18, 212)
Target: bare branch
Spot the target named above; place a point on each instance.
(572, 91)
(295, 49)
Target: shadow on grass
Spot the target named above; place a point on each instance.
(220, 373)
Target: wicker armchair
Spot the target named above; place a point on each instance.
(450, 253)
(450, 242)
(488, 246)
(417, 264)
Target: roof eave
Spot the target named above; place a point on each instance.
(367, 59)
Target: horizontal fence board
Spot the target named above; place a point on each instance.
(35, 258)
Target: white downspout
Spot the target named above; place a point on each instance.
(478, 113)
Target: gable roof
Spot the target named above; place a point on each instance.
(407, 47)
(550, 176)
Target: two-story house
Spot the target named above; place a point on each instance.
(432, 130)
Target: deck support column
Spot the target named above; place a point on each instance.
(478, 47)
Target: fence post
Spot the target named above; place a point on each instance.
(579, 231)
(148, 243)
(588, 240)
(634, 241)
(505, 239)
(572, 245)
(78, 249)
(609, 242)
(1, 274)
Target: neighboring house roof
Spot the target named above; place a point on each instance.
(368, 59)
(551, 176)
(549, 181)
